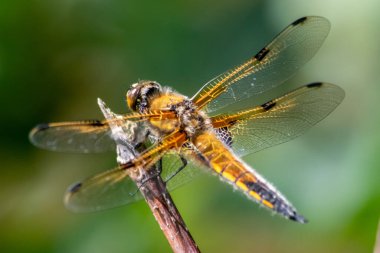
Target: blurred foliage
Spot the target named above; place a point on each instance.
(57, 57)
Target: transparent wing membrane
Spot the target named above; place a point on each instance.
(92, 136)
(80, 137)
(273, 65)
(170, 165)
(115, 187)
(103, 191)
(278, 120)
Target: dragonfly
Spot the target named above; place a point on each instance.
(211, 130)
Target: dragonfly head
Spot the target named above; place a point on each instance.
(140, 94)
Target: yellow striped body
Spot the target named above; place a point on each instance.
(218, 157)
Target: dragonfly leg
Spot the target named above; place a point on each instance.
(184, 164)
(156, 172)
(159, 166)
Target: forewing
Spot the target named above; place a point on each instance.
(274, 64)
(78, 137)
(91, 136)
(278, 120)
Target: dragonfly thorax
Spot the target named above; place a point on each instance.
(192, 120)
(149, 96)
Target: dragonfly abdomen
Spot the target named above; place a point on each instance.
(232, 169)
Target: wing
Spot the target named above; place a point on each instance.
(273, 65)
(85, 136)
(174, 179)
(80, 137)
(115, 187)
(109, 189)
(278, 120)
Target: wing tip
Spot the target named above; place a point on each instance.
(314, 85)
(305, 19)
(68, 201)
(74, 188)
(299, 21)
(39, 128)
(42, 126)
(339, 91)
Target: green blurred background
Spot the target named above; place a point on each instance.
(57, 57)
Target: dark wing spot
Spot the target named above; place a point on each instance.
(299, 21)
(75, 188)
(127, 165)
(268, 105)
(96, 123)
(261, 55)
(312, 85)
(41, 127)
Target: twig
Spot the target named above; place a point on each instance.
(167, 214)
(151, 186)
(377, 243)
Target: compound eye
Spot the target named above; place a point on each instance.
(137, 102)
(133, 98)
(152, 91)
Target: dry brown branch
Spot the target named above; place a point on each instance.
(167, 215)
(377, 243)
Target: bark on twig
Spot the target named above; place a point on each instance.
(167, 215)
(153, 188)
(377, 243)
